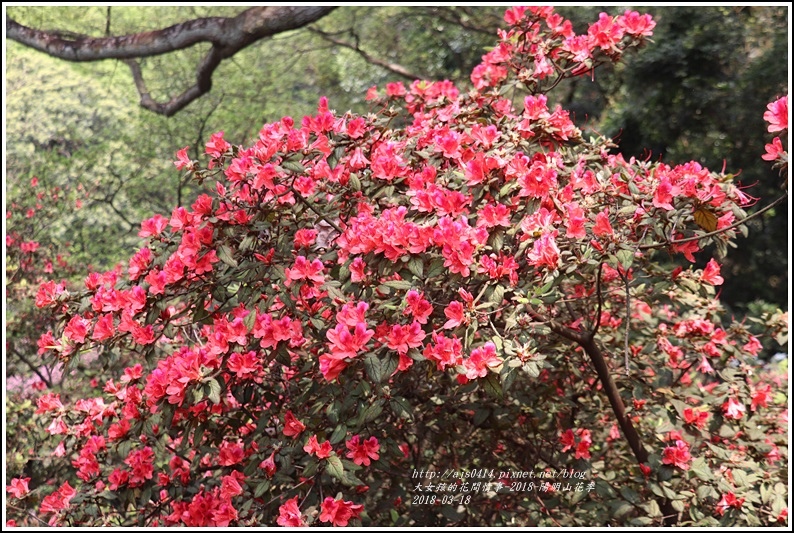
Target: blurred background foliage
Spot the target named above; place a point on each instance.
(698, 92)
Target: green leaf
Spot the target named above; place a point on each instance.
(294, 166)
(334, 467)
(310, 469)
(652, 508)
(401, 284)
(215, 391)
(630, 494)
(339, 434)
(739, 478)
(436, 268)
(250, 468)
(261, 489)
(249, 321)
(372, 412)
(498, 295)
(247, 243)
(621, 509)
(334, 292)
(198, 435)
(625, 257)
(401, 407)
(531, 368)
(416, 266)
(497, 240)
(480, 416)
(546, 289)
(380, 369)
(350, 480)
(225, 255)
(492, 385)
(451, 513)
(704, 492)
(354, 182)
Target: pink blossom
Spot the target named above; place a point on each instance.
(774, 150)
(753, 346)
(339, 512)
(711, 274)
(292, 426)
(18, 487)
(602, 226)
(605, 33)
(777, 114)
(362, 451)
(182, 160)
(481, 360)
(636, 24)
(664, 194)
(289, 515)
(322, 451)
(727, 501)
(677, 455)
(545, 252)
(216, 146)
(732, 409)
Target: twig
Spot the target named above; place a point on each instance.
(310, 206)
(625, 277)
(391, 67)
(32, 367)
(597, 320)
(717, 232)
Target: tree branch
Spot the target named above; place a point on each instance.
(391, 67)
(597, 319)
(717, 232)
(33, 367)
(625, 277)
(228, 35)
(633, 438)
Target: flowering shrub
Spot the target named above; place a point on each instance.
(454, 283)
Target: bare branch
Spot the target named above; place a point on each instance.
(391, 67)
(228, 36)
(624, 421)
(33, 367)
(717, 232)
(597, 319)
(625, 277)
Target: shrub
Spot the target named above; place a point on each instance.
(453, 310)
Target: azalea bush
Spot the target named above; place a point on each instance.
(406, 317)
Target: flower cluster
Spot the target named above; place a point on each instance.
(350, 285)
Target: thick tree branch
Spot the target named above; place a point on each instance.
(228, 35)
(633, 438)
(391, 67)
(588, 343)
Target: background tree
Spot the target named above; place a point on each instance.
(456, 278)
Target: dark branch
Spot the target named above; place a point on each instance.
(33, 367)
(717, 232)
(228, 35)
(597, 319)
(633, 438)
(391, 67)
